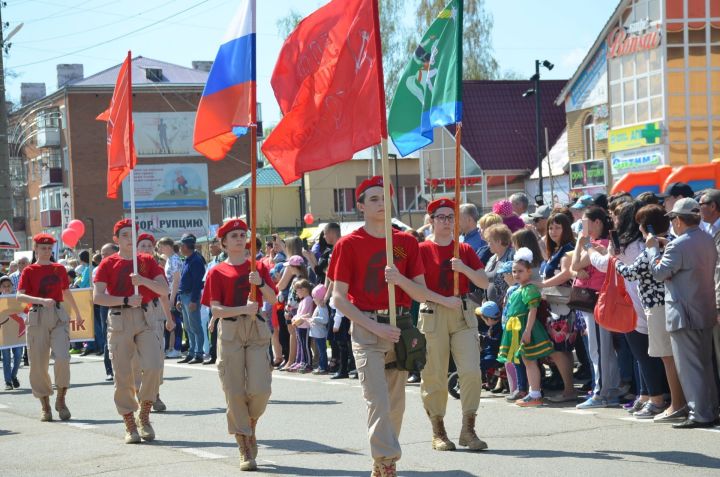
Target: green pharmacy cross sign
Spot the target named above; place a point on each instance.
(651, 133)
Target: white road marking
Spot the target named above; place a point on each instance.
(201, 453)
(714, 429)
(3, 406)
(633, 419)
(81, 425)
(580, 412)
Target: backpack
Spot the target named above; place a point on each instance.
(410, 350)
(614, 310)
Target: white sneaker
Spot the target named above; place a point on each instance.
(173, 354)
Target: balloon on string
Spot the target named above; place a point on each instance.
(78, 226)
(70, 237)
(309, 219)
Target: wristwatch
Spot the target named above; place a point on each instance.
(125, 301)
(262, 283)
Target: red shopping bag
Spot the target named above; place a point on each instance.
(614, 310)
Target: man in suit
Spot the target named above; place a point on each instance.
(687, 267)
(710, 213)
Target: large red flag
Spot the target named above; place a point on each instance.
(328, 82)
(121, 150)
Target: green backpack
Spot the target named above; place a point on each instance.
(410, 350)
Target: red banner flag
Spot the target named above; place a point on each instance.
(328, 83)
(121, 150)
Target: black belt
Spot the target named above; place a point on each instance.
(235, 319)
(36, 306)
(229, 319)
(399, 310)
(144, 306)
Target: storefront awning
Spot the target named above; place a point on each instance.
(559, 159)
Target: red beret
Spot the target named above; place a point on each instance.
(44, 239)
(149, 237)
(230, 225)
(121, 225)
(376, 181)
(438, 203)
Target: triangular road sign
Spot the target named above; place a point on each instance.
(7, 237)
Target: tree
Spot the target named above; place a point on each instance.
(287, 24)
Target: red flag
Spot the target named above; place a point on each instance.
(328, 83)
(121, 150)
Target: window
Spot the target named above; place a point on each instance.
(51, 199)
(344, 201)
(589, 137)
(48, 119)
(411, 200)
(234, 206)
(35, 209)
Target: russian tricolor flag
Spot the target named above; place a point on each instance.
(228, 103)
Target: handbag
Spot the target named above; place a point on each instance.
(411, 349)
(559, 295)
(614, 310)
(583, 299)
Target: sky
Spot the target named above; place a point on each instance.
(98, 34)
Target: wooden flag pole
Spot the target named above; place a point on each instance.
(253, 202)
(456, 236)
(131, 142)
(387, 199)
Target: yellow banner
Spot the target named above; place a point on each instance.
(635, 136)
(13, 317)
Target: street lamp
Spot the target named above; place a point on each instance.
(535, 91)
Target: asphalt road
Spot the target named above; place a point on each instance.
(316, 427)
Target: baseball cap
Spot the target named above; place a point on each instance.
(188, 239)
(489, 309)
(295, 261)
(685, 206)
(676, 189)
(5, 278)
(504, 267)
(583, 202)
(542, 212)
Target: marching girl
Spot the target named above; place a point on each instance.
(243, 338)
(524, 336)
(45, 285)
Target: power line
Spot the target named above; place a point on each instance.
(114, 38)
(73, 9)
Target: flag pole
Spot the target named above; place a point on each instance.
(456, 235)
(253, 201)
(131, 142)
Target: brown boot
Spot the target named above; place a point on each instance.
(247, 461)
(46, 415)
(252, 440)
(60, 406)
(440, 439)
(143, 421)
(468, 438)
(131, 430)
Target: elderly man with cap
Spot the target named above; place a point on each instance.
(45, 285)
(191, 284)
(540, 219)
(359, 270)
(449, 330)
(578, 209)
(687, 267)
(710, 213)
(244, 337)
(132, 329)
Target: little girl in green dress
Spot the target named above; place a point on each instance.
(524, 337)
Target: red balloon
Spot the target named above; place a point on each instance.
(309, 219)
(78, 226)
(70, 237)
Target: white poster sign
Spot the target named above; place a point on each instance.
(163, 186)
(164, 134)
(590, 88)
(645, 159)
(174, 224)
(65, 208)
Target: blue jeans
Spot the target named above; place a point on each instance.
(193, 327)
(10, 370)
(100, 337)
(177, 317)
(322, 353)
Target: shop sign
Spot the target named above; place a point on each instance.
(637, 160)
(634, 137)
(450, 182)
(601, 111)
(587, 174)
(635, 39)
(601, 131)
(590, 88)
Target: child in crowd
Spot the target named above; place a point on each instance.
(524, 336)
(489, 313)
(318, 327)
(10, 365)
(515, 372)
(301, 322)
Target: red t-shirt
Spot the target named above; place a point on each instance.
(44, 281)
(229, 284)
(359, 260)
(115, 271)
(438, 272)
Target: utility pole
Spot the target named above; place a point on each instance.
(6, 212)
(538, 125)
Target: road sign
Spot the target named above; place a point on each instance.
(7, 236)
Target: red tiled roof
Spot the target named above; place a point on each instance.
(499, 124)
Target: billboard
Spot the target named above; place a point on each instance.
(162, 186)
(164, 134)
(633, 137)
(590, 89)
(644, 159)
(587, 174)
(174, 224)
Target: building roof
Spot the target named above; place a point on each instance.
(171, 73)
(266, 177)
(499, 123)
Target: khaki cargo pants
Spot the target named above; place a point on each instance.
(244, 370)
(155, 316)
(130, 332)
(48, 328)
(383, 390)
(450, 331)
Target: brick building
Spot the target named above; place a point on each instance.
(59, 155)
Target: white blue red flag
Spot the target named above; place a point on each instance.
(228, 104)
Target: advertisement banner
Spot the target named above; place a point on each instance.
(587, 174)
(638, 160)
(174, 224)
(590, 89)
(13, 319)
(633, 137)
(165, 186)
(164, 134)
